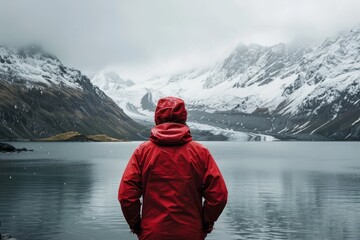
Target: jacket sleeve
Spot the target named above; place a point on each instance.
(214, 191)
(130, 191)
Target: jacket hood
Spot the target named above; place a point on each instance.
(170, 134)
(170, 109)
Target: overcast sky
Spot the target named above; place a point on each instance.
(141, 38)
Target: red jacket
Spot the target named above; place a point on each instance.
(172, 173)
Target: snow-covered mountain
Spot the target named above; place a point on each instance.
(40, 97)
(287, 90)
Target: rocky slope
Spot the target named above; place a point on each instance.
(40, 97)
(287, 90)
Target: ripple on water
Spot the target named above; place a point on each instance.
(276, 191)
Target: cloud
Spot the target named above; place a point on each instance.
(141, 38)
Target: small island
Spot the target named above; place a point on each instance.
(6, 237)
(78, 137)
(5, 147)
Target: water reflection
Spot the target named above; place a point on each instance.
(293, 205)
(38, 197)
(276, 191)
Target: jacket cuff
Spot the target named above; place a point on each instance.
(136, 228)
(208, 227)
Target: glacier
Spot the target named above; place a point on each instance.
(308, 90)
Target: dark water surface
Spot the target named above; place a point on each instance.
(277, 190)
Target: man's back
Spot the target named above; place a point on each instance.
(172, 173)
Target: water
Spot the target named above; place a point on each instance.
(277, 190)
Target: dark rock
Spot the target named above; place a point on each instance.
(6, 236)
(4, 147)
(147, 102)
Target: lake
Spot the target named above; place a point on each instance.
(277, 190)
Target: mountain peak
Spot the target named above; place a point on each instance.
(111, 80)
(310, 88)
(41, 97)
(33, 65)
(37, 52)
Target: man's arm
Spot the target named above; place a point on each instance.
(129, 194)
(214, 193)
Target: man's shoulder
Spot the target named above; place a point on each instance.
(143, 146)
(198, 145)
(147, 145)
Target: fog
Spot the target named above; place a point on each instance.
(141, 38)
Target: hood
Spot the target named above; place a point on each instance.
(170, 109)
(170, 134)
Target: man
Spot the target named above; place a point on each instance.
(172, 173)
